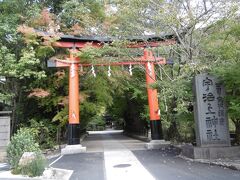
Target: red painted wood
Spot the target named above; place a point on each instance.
(152, 93)
(73, 115)
(66, 63)
(80, 45)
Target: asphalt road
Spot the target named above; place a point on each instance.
(112, 156)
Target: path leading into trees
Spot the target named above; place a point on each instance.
(113, 156)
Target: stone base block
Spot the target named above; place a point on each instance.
(73, 149)
(210, 152)
(3, 157)
(56, 173)
(157, 144)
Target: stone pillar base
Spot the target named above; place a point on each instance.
(56, 173)
(73, 149)
(157, 144)
(210, 152)
(3, 156)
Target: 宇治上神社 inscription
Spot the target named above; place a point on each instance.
(210, 112)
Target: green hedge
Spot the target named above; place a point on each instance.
(24, 141)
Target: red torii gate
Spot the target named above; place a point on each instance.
(74, 43)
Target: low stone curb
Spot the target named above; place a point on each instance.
(233, 164)
(227, 163)
(48, 174)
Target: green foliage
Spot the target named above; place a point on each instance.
(25, 67)
(186, 126)
(22, 141)
(190, 55)
(19, 62)
(225, 51)
(34, 168)
(61, 117)
(45, 131)
(98, 89)
(45, 51)
(90, 111)
(81, 16)
(97, 123)
(7, 60)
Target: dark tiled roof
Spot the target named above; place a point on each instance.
(147, 38)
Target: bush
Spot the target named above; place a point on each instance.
(22, 141)
(45, 131)
(35, 168)
(97, 123)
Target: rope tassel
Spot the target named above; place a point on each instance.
(109, 71)
(149, 68)
(93, 71)
(130, 70)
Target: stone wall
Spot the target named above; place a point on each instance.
(4, 135)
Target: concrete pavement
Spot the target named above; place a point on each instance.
(112, 156)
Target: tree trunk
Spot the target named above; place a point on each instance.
(15, 91)
(14, 116)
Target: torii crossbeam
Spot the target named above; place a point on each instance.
(74, 43)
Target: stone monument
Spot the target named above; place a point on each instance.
(211, 121)
(210, 112)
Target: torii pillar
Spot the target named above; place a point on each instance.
(154, 111)
(74, 145)
(73, 115)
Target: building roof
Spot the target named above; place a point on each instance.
(147, 38)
